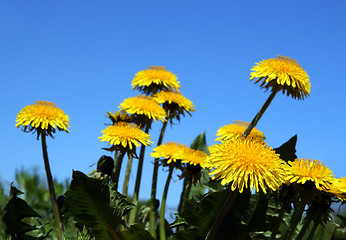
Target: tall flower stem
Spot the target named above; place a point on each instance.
(138, 180)
(303, 229)
(231, 195)
(127, 175)
(118, 164)
(152, 219)
(313, 230)
(163, 205)
(185, 193)
(277, 224)
(260, 113)
(296, 217)
(56, 212)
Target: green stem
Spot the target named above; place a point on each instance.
(56, 212)
(231, 195)
(118, 164)
(185, 193)
(138, 180)
(277, 224)
(260, 113)
(153, 209)
(313, 230)
(127, 175)
(163, 205)
(303, 229)
(296, 217)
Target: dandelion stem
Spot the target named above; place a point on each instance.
(260, 113)
(138, 180)
(278, 223)
(313, 230)
(296, 217)
(118, 164)
(231, 195)
(303, 229)
(153, 209)
(163, 205)
(56, 212)
(127, 175)
(185, 193)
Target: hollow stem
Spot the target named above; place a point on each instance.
(127, 175)
(277, 224)
(296, 217)
(118, 164)
(260, 113)
(185, 193)
(303, 229)
(163, 205)
(56, 212)
(313, 230)
(138, 180)
(231, 195)
(153, 210)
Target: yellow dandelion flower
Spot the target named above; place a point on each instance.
(125, 135)
(193, 157)
(339, 188)
(285, 74)
(155, 79)
(42, 116)
(235, 130)
(175, 99)
(145, 106)
(247, 164)
(303, 170)
(169, 151)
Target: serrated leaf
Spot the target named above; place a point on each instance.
(92, 203)
(287, 150)
(15, 212)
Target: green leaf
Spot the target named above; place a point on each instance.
(17, 214)
(136, 232)
(287, 150)
(200, 143)
(94, 204)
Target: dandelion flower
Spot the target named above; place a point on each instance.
(247, 164)
(235, 130)
(303, 170)
(145, 106)
(155, 79)
(169, 151)
(339, 188)
(284, 74)
(44, 117)
(125, 135)
(193, 157)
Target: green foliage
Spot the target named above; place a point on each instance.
(19, 218)
(96, 205)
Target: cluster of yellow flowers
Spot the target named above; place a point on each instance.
(242, 162)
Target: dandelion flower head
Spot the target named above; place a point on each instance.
(169, 151)
(145, 106)
(283, 73)
(339, 188)
(125, 135)
(155, 79)
(193, 157)
(303, 170)
(236, 130)
(44, 116)
(247, 163)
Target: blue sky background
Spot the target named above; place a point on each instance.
(82, 55)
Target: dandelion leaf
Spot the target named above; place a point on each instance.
(287, 150)
(18, 218)
(96, 205)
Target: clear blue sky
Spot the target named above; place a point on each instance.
(82, 55)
